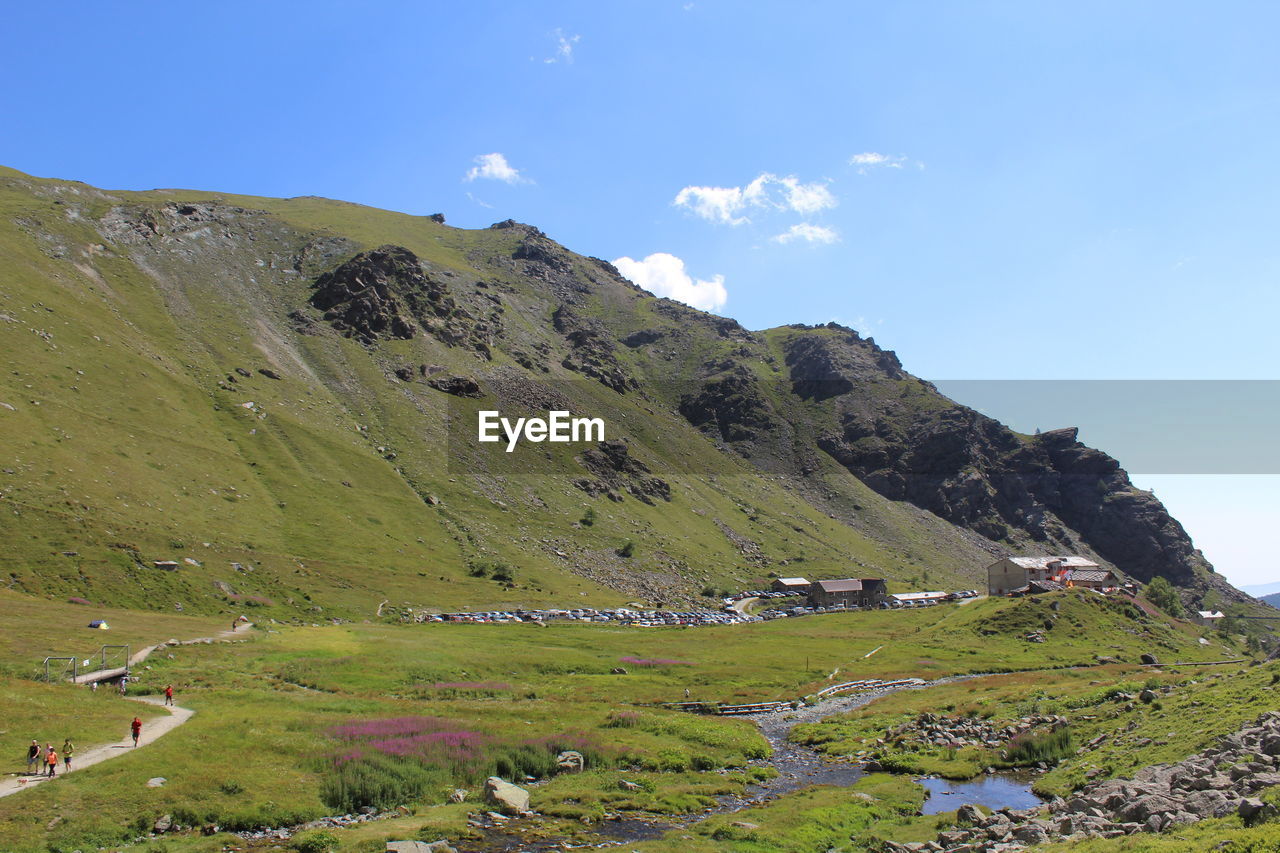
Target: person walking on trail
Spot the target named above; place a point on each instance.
(168, 694)
(68, 750)
(51, 759)
(136, 727)
(33, 758)
(124, 684)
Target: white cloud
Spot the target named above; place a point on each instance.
(480, 202)
(725, 205)
(807, 198)
(664, 275)
(808, 233)
(714, 204)
(868, 160)
(495, 167)
(564, 47)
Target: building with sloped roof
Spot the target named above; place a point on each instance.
(847, 592)
(796, 585)
(1014, 573)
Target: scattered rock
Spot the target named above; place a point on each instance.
(162, 824)
(569, 761)
(458, 386)
(509, 798)
(156, 782)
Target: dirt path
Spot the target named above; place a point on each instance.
(151, 731)
(141, 655)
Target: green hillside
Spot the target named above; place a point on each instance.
(206, 379)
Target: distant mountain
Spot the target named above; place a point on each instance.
(1273, 599)
(275, 401)
(1259, 590)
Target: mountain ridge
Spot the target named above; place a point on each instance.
(331, 343)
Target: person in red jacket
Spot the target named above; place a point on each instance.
(168, 694)
(136, 726)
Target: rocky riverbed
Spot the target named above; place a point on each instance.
(1217, 782)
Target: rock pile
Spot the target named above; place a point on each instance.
(1217, 782)
(958, 732)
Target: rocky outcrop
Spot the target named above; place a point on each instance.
(1217, 782)
(388, 293)
(615, 470)
(731, 407)
(591, 350)
(907, 442)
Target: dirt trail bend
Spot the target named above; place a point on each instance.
(151, 731)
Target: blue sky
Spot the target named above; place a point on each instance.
(1049, 190)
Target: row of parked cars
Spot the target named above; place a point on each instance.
(654, 618)
(621, 615)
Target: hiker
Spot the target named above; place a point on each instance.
(124, 684)
(33, 757)
(136, 726)
(68, 750)
(93, 687)
(51, 758)
(168, 694)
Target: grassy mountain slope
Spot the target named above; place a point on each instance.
(252, 387)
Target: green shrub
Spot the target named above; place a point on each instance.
(315, 841)
(1049, 747)
(1162, 594)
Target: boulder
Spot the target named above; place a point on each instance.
(458, 795)
(1031, 834)
(1149, 659)
(968, 814)
(509, 798)
(1253, 810)
(156, 782)
(570, 761)
(629, 786)
(162, 824)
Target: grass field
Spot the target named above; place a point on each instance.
(260, 750)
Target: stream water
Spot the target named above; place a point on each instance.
(996, 791)
(798, 767)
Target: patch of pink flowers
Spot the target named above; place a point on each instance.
(432, 740)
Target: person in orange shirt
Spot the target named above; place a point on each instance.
(51, 758)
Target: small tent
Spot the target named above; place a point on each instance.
(100, 624)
